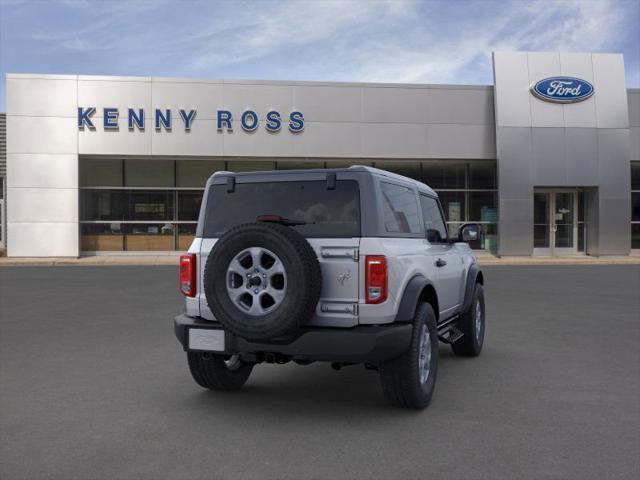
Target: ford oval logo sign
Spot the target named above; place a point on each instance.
(562, 89)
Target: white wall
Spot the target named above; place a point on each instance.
(42, 166)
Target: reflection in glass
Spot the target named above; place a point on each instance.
(103, 205)
(186, 234)
(453, 205)
(541, 236)
(195, 173)
(408, 169)
(189, 205)
(250, 165)
(635, 206)
(149, 237)
(482, 175)
(564, 236)
(150, 205)
(564, 219)
(635, 235)
(482, 207)
(149, 173)
(298, 164)
(101, 237)
(444, 175)
(635, 175)
(101, 172)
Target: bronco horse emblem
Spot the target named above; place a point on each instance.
(343, 277)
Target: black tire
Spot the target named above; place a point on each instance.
(211, 371)
(400, 377)
(303, 281)
(470, 345)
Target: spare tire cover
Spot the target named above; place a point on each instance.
(262, 281)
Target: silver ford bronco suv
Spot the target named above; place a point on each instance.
(349, 265)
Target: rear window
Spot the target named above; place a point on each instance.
(327, 213)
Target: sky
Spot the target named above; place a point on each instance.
(403, 41)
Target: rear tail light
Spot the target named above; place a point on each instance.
(188, 275)
(375, 278)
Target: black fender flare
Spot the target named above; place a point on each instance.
(472, 278)
(410, 298)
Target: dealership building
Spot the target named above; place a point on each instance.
(547, 159)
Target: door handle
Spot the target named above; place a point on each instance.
(440, 263)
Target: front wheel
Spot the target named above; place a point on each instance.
(409, 380)
(472, 325)
(218, 372)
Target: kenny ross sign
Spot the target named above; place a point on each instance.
(162, 119)
(562, 89)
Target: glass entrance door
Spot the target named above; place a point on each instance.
(554, 222)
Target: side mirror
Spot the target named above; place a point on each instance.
(469, 232)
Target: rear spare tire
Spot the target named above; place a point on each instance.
(262, 281)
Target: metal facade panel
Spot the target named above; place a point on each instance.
(461, 141)
(42, 97)
(544, 114)
(44, 170)
(515, 167)
(401, 141)
(582, 156)
(42, 239)
(549, 157)
(326, 139)
(41, 134)
(175, 95)
(515, 226)
(612, 110)
(115, 93)
(255, 144)
(461, 106)
(511, 75)
(259, 98)
(613, 161)
(396, 105)
(53, 205)
(581, 114)
(614, 226)
(329, 103)
(120, 141)
(42, 148)
(202, 139)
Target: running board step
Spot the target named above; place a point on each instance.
(451, 335)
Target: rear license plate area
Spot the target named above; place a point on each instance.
(208, 340)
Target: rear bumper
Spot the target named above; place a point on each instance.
(361, 344)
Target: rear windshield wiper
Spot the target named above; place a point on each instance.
(281, 220)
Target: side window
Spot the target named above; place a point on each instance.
(400, 209)
(435, 228)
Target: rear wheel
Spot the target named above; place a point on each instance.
(472, 325)
(409, 380)
(218, 372)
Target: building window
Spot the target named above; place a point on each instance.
(136, 205)
(635, 205)
(153, 204)
(468, 193)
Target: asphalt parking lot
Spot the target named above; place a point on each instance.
(93, 385)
